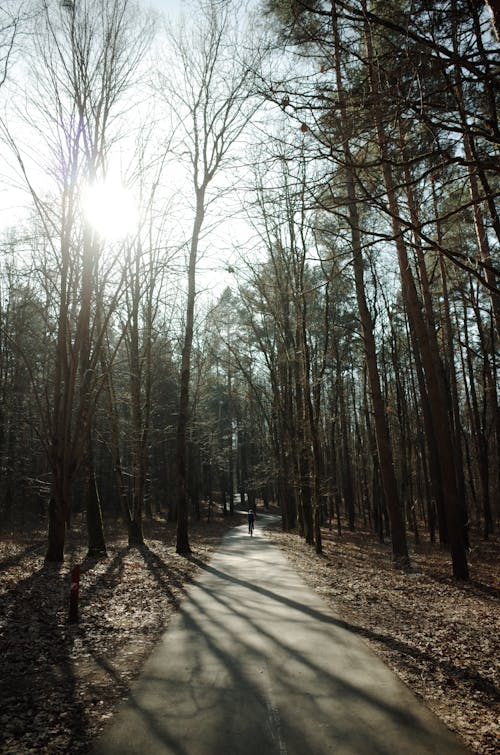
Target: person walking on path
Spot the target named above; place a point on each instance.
(251, 519)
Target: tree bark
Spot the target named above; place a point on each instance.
(58, 507)
(384, 450)
(182, 544)
(434, 377)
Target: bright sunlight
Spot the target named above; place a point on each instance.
(110, 209)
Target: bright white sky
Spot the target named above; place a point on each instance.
(219, 250)
(168, 7)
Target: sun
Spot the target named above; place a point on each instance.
(110, 209)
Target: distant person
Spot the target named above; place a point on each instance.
(251, 519)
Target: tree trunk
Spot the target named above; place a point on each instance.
(479, 431)
(304, 469)
(347, 476)
(95, 529)
(433, 372)
(139, 424)
(182, 546)
(134, 526)
(398, 536)
(58, 507)
(131, 514)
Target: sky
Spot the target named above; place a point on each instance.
(219, 249)
(166, 6)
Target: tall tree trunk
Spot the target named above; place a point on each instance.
(431, 439)
(303, 462)
(430, 482)
(95, 530)
(479, 423)
(346, 467)
(59, 505)
(182, 545)
(449, 376)
(451, 371)
(313, 441)
(134, 526)
(433, 372)
(61, 446)
(138, 434)
(398, 535)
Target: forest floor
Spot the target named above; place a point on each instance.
(60, 683)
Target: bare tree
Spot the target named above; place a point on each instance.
(12, 13)
(145, 267)
(210, 96)
(85, 58)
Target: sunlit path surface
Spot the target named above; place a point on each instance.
(255, 663)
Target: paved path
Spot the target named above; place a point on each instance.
(255, 663)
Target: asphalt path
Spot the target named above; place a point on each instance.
(255, 663)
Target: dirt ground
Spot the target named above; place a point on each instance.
(60, 683)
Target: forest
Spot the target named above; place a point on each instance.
(251, 254)
(250, 257)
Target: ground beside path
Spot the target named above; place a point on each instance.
(254, 662)
(60, 683)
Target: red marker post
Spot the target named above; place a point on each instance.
(74, 594)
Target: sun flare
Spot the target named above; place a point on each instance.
(110, 209)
